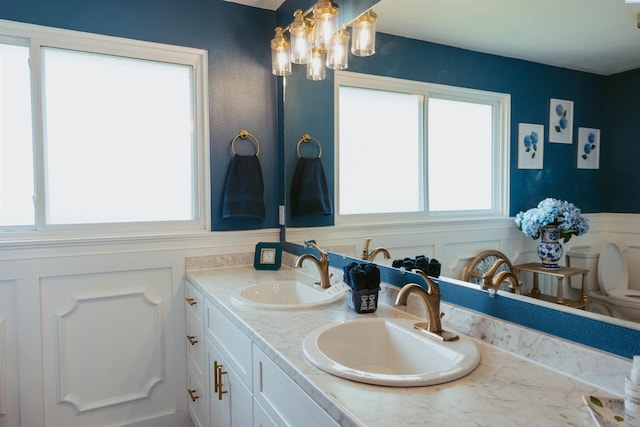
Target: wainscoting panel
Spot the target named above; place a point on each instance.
(9, 407)
(117, 351)
(104, 344)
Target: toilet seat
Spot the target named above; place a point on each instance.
(613, 275)
(628, 295)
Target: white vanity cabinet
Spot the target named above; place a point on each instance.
(229, 367)
(197, 387)
(238, 384)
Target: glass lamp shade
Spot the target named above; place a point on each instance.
(364, 34)
(300, 30)
(315, 67)
(280, 54)
(325, 14)
(338, 55)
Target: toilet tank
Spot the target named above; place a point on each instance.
(584, 257)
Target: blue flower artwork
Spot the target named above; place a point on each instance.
(588, 148)
(561, 121)
(530, 146)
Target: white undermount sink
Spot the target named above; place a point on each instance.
(389, 352)
(284, 295)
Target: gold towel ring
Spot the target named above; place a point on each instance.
(306, 138)
(243, 134)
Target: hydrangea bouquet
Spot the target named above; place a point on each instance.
(566, 216)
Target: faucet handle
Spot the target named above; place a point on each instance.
(433, 287)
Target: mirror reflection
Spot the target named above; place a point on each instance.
(601, 99)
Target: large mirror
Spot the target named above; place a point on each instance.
(309, 108)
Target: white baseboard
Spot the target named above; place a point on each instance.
(177, 419)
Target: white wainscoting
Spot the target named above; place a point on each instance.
(8, 355)
(455, 243)
(101, 338)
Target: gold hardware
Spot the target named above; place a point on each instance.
(193, 395)
(192, 339)
(191, 301)
(243, 134)
(431, 300)
(369, 256)
(306, 138)
(322, 263)
(217, 379)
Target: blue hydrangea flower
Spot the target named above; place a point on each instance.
(563, 214)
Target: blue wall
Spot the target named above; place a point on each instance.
(621, 148)
(531, 86)
(244, 95)
(242, 91)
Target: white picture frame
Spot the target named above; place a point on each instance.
(530, 146)
(588, 148)
(561, 121)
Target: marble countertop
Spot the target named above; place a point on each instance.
(504, 389)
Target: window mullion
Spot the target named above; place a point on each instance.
(39, 198)
(424, 129)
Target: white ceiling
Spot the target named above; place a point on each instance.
(599, 36)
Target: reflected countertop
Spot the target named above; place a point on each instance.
(505, 389)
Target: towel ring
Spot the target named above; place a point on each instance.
(306, 138)
(243, 134)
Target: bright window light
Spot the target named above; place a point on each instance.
(379, 128)
(16, 147)
(410, 150)
(118, 139)
(460, 153)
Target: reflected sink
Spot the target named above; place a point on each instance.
(389, 352)
(284, 295)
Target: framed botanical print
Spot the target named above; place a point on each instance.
(561, 121)
(588, 148)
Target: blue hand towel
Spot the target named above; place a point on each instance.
(309, 191)
(243, 189)
(346, 269)
(373, 276)
(358, 278)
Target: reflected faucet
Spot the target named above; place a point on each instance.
(493, 281)
(431, 300)
(322, 263)
(369, 256)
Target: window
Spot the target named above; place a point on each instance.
(101, 132)
(412, 150)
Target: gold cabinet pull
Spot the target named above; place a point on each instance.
(217, 380)
(193, 395)
(192, 339)
(191, 301)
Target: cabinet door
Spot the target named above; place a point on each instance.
(282, 399)
(198, 399)
(231, 401)
(261, 418)
(220, 405)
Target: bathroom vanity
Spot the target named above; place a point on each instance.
(252, 367)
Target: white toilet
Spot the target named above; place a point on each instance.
(614, 297)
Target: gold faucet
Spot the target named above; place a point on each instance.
(322, 263)
(431, 300)
(369, 256)
(491, 280)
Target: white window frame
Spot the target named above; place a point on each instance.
(36, 37)
(500, 148)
